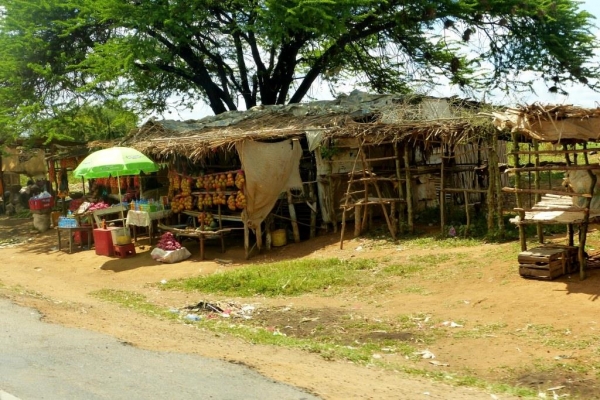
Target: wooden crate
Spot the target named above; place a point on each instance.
(572, 256)
(543, 262)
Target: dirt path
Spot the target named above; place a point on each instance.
(490, 295)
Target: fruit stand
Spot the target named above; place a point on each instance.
(209, 199)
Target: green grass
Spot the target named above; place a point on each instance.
(327, 348)
(285, 278)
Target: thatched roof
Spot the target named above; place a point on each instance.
(374, 117)
(551, 123)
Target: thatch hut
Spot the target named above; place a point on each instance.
(361, 156)
(567, 132)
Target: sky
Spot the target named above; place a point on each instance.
(578, 94)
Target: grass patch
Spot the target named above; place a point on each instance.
(329, 348)
(285, 278)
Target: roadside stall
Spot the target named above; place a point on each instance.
(114, 162)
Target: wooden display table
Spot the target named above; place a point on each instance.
(70, 231)
(201, 235)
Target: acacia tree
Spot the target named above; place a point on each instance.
(228, 52)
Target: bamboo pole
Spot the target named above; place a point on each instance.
(522, 238)
(537, 186)
(409, 194)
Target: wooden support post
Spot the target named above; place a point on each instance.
(334, 221)
(313, 210)
(498, 185)
(570, 234)
(536, 183)
(586, 219)
(399, 186)
(409, 195)
(246, 240)
(357, 220)
(491, 192)
(268, 229)
(521, 226)
(394, 221)
(467, 213)
(292, 210)
(442, 193)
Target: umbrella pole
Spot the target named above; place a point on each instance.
(120, 199)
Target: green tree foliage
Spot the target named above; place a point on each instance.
(54, 53)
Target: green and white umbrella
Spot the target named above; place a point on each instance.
(116, 162)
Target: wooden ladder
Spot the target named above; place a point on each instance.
(368, 180)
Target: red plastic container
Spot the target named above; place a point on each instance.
(103, 242)
(41, 204)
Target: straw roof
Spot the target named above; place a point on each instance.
(551, 123)
(376, 118)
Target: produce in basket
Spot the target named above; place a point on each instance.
(168, 242)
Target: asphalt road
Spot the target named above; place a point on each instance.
(45, 361)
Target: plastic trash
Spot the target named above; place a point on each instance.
(193, 317)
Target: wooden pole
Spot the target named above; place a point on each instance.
(292, 210)
(570, 167)
(313, 209)
(357, 219)
(570, 233)
(399, 183)
(586, 219)
(442, 193)
(467, 213)
(498, 182)
(536, 184)
(515, 154)
(491, 192)
(409, 194)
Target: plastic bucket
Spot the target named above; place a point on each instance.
(279, 237)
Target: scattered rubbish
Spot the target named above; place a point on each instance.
(192, 317)
(277, 333)
(173, 310)
(377, 356)
(205, 306)
(223, 262)
(451, 324)
(552, 389)
(164, 281)
(563, 357)
(224, 310)
(359, 248)
(438, 364)
(424, 354)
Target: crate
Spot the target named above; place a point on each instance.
(46, 203)
(124, 251)
(544, 262)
